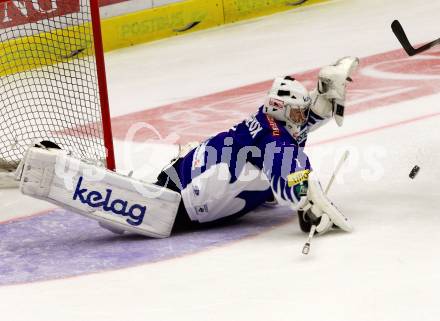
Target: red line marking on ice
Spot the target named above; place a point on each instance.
(375, 129)
(381, 80)
(22, 218)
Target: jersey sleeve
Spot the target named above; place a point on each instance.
(320, 112)
(315, 121)
(285, 164)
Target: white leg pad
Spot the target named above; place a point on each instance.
(118, 202)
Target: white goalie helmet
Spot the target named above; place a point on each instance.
(288, 100)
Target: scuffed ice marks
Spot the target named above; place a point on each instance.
(62, 244)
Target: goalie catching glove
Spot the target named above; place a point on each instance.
(330, 94)
(319, 211)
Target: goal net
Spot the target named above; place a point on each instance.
(52, 80)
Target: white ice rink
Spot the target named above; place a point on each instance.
(387, 269)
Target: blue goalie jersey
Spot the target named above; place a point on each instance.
(237, 170)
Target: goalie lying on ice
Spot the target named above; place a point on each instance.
(259, 160)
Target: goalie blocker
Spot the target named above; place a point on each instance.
(117, 202)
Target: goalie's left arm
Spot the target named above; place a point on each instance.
(328, 99)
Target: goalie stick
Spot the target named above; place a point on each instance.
(403, 39)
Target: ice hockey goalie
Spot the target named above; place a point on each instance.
(259, 160)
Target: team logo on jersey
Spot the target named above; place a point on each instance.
(196, 190)
(297, 177)
(254, 126)
(273, 125)
(95, 199)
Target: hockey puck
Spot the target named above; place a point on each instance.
(414, 172)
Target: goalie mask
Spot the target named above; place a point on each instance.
(289, 101)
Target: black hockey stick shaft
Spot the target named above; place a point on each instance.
(403, 39)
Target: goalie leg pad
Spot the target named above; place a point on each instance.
(116, 201)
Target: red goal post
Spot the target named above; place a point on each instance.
(52, 80)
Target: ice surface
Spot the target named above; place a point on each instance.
(387, 269)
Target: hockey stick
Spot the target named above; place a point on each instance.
(306, 247)
(295, 3)
(336, 171)
(403, 39)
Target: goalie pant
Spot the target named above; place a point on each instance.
(233, 172)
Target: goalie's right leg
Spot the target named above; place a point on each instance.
(118, 202)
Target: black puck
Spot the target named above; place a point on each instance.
(414, 172)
